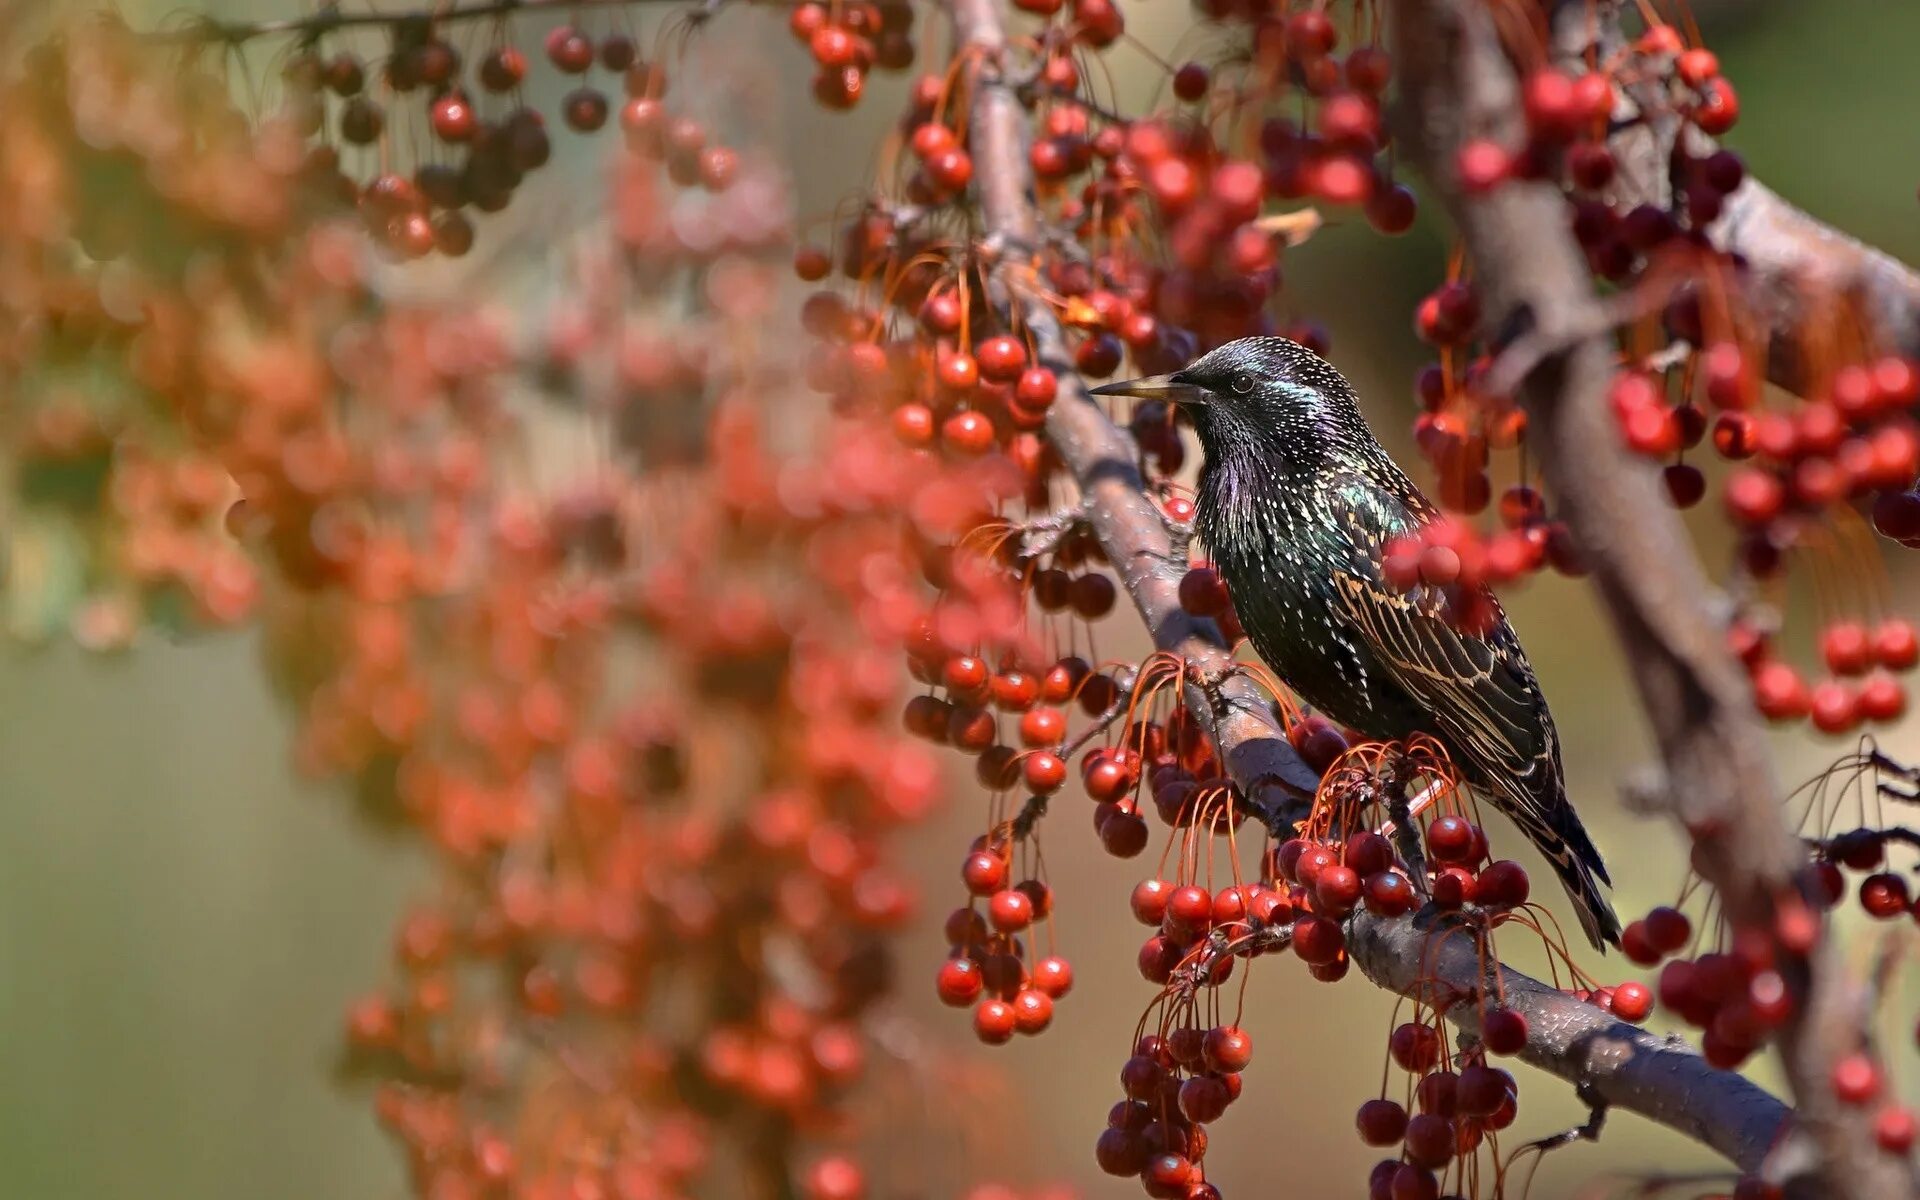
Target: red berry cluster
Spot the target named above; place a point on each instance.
(1861, 687)
(485, 140)
(1882, 893)
(989, 962)
(1445, 1113)
(1174, 1086)
(847, 41)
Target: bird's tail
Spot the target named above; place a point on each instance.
(1552, 825)
(1581, 871)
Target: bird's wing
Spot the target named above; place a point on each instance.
(1477, 687)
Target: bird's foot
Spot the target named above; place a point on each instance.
(1211, 677)
(1179, 537)
(1587, 1131)
(1406, 837)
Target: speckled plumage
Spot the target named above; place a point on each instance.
(1297, 502)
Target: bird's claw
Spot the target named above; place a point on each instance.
(1587, 1131)
(1406, 838)
(1179, 537)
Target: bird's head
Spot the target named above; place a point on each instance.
(1261, 393)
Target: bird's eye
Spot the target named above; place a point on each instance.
(1242, 384)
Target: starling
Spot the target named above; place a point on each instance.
(1298, 503)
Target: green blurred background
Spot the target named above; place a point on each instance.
(182, 921)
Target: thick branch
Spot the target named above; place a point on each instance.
(1661, 1079)
(1456, 83)
(1625, 1067)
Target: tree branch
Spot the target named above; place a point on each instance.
(1799, 272)
(1662, 1079)
(1625, 1067)
(1456, 83)
(201, 28)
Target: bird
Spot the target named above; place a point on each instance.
(1297, 504)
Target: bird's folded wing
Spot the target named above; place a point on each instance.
(1479, 690)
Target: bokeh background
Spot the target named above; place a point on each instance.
(182, 920)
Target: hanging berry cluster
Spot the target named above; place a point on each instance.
(454, 100)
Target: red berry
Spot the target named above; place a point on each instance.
(1895, 645)
(1438, 1093)
(967, 433)
(836, 1179)
(1203, 1099)
(1833, 707)
(1430, 1141)
(1317, 940)
(1632, 1002)
(1415, 1047)
(1482, 166)
(1053, 975)
(1227, 1048)
(1149, 900)
(994, 1022)
(1338, 889)
(1032, 1011)
(453, 118)
(1635, 944)
(1481, 1090)
(1191, 908)
(1754, 497)
(1390, 894)
(569, 49)
(984, 873)
(1190, 82)
(1121, 1152)
(1036, 389)
(1504, 1031)
(930, 139)
(1779, 692)
(1044, 772)
(1502, 884)
(1381, 1122)
(1010, 910)
(1847, 648)
(1882, 698)
(1884, 895)
(1894, 1129)
(1450, 838)
(1856, 1079)
(1668, 929)
(1719, 107)
(959, 982)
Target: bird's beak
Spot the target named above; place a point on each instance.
(1156, 387)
